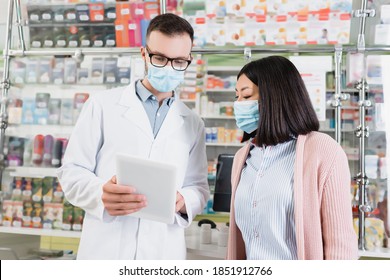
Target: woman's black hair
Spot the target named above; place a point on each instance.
(285, 107)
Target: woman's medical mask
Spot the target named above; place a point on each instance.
(247, 115)
(164, 79)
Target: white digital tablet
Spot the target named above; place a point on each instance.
(156, 180)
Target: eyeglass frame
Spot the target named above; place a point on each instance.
(168, 60)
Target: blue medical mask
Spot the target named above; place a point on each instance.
(164, 79)
(247, 115)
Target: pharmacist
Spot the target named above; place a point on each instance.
(144, 119)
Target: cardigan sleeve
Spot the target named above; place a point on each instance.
(339, 237)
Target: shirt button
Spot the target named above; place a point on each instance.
(261, 174)
(256, 234)
(254, 204)
(158, 114)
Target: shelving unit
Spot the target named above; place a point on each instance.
(218, 94)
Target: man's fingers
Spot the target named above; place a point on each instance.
(111, 188)
(122, 198)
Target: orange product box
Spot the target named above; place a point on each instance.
(122, 33)
(151, 9)
(96, 12)
(123, 11)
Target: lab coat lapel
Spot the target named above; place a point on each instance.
(136, 112)
(173, 121)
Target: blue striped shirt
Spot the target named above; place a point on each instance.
(264, 204)
(155, 112)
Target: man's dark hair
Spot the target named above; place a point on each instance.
(284, 104)
(170, 25)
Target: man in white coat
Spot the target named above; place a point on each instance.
(144, 119)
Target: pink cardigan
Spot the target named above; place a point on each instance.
(322, 201)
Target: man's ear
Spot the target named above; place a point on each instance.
(143, 53)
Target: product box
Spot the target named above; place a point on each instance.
(97, 39)
(58, 71)
(27, 214)
(70, 70)
(82, 13)
(110, 70)
(110, 13)
(57, 153)
(58, 14)
(48, 36)
(36, 215)
(18, 73)
(382, 34)
(37, 189)
(123, 11)
(122, 33)
(28, 109)
(48, 143)
(15, 151)
(78, 102)
(96, 12)
(7, 212)
(17, 214)
(59, 37)
(124, 75)
(135, 33)
(70, 14)
(47, 189)
(27, 190)
(17, 188)
(109, 38)
(41, 113)
(15, 111)
(37, 155)
(78, 218)
(83, 76)
(66, 117)
(54, 111)
(32, 68)
(36, 39)
(97, 70)
(67, 216)
(58, 210)
(58, 194)
(44, 71)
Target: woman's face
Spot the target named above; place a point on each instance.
(246, 90)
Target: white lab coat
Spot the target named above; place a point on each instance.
(114, 121)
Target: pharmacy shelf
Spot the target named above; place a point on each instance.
(30, 130)
(380, 253)
(220, 90)
(218, 117)
(40, 232)
(225, 144)
(333, 130)
(188, 100)
(31, 171)
(224, 68)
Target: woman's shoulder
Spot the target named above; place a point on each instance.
(318, 139)
(322, 145)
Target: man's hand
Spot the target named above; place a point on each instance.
(180, 204)
(121, 200)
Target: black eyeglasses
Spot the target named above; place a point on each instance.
(161, 61)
